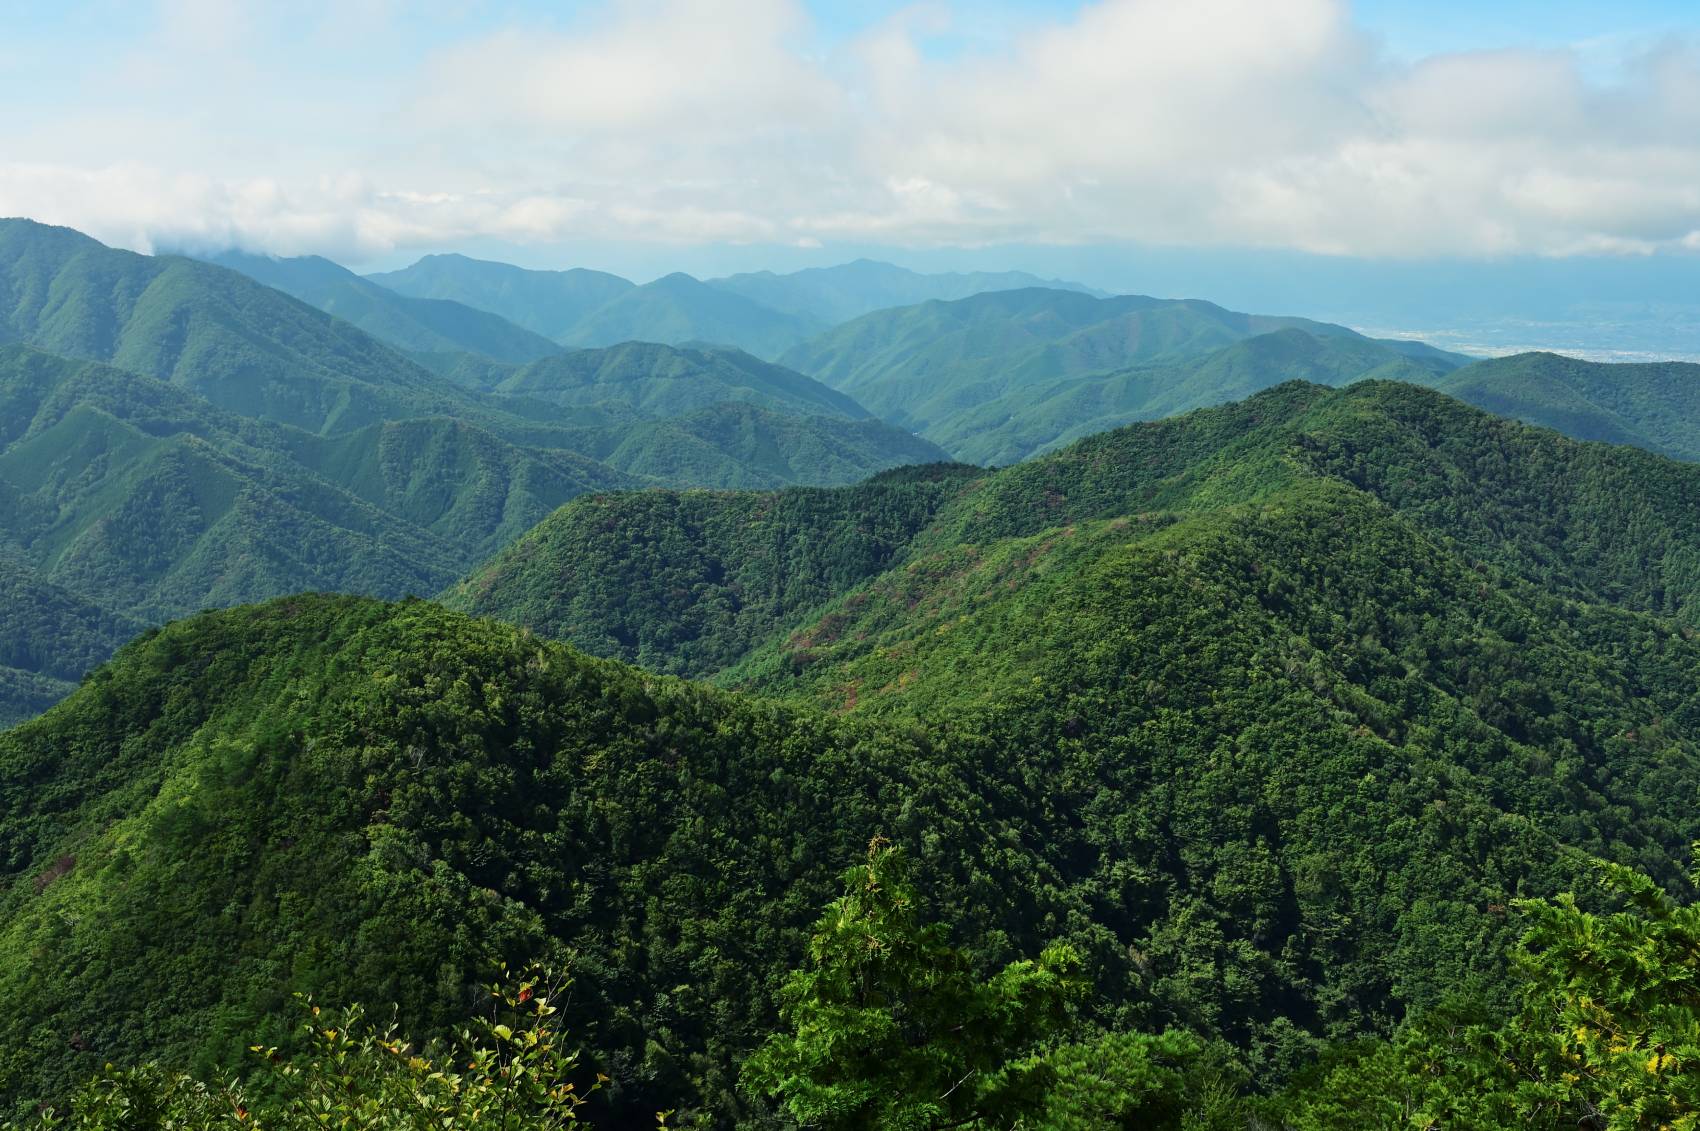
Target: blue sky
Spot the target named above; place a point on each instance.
(722, 134)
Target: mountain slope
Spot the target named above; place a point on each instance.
(661, 380)
(928, 366)
(1269, 710)
(125, 501)
(418, 325)
(677, 309)
(549, 303)
(828, 296)
(1654, 406)
(1049, 414)
(48, 638)
(738, 445)
(241, 345)
(690, 582)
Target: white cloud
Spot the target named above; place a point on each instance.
(1246, 122)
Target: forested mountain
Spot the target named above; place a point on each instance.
(1046, 414)
(549, 303)
(126, 501)
(588, 308)
(1654, 406)
(243, 346)
(662, 380)
(1268, 711)
(242, 444)
(677, 309)
(963, 372)
(827, 296)
(417, 325)
(48, 638)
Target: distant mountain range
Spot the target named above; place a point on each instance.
(179, 433)
(996, 377)
(174, 435)
(762, 312)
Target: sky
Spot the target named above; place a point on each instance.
(714, 135)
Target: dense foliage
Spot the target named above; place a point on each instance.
(690, 582)
(510, 1069)
(1606, 1034)
(1270, 713)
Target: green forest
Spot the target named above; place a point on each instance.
(430, 715)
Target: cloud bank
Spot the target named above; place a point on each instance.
(1254, 123)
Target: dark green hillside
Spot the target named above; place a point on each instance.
(1654, 406)
(1221, 701)
(830, 295)
(154, 503)
(245, 347)
(678, 309)
(367, 800)
(48, 639)
(660, 380)
(689, 582)
(464, 485)
(418, 325)
(549, 303)
(743, 446)
(147, 502)
(998, 376)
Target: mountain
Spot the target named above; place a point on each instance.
(741, 446)
(926, 366)
(549, 303)
(241, 345)
(49, 638)
(690, 582)
(1269, 710)
(828, 296)
(240, 444)
(678, 309)
(126, 501)
(149, 500)
(417, 325)
(1654, 406)
(761, 312)
(661, 380)
(1037, 417)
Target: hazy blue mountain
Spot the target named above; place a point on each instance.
(418, 325)
(677, 309)
(830, 295)
(1653, 405)
(549, 303)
